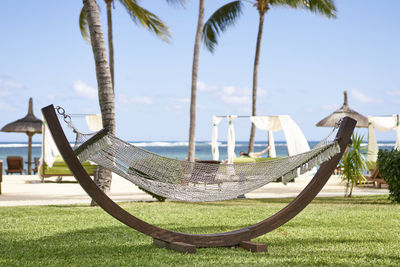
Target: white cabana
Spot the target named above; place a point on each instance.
(382, 124)
(49, 148)
(295, 139)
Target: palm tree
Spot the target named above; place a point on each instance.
(106, 99)
(138, 14)
(104, 82)
(227, 15)
(195, 70)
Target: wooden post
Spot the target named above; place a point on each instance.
(1, 173)
(29, 153)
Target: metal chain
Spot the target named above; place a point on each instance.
(67, 118)
(338, 123)
(61, 111)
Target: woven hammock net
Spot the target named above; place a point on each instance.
(193, 181)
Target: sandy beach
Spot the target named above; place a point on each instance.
(24, 190)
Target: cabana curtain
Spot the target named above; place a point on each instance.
(49, 148)
(94, 122)
(231, 138)
(295, 139)
(214, 138)
(270, 124)
(382, 124)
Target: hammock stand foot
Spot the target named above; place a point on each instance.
(176, 246)
(189, 248)
(253, 247)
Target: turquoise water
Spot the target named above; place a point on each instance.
(172, 149)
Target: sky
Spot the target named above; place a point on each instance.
(306, 63)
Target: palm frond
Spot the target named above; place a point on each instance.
(83, 25)
(224, 17)
(147, 19)
(322, 7)
(177, 2)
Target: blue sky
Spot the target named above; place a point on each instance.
(307, 61)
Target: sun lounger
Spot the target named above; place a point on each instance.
(15, 164)
(61, 169)
(375, 178)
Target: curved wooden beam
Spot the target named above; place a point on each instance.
(199, 240)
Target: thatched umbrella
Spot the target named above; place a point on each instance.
(29, 125)
(344, 111)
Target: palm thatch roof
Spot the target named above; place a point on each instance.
(344, 111)
(28, 124)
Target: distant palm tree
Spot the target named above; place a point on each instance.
(138, 14)
(227, 15)
(195, 70)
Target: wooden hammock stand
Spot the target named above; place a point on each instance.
(184, 242)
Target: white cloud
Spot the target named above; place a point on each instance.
(10, 84)
(235, 95)
(177, 109)
(181, 100)
(261, 92)
(5, 106)
(135, 100)
(4, 92)
(234, 99)
(329, 107)
(361, 97)
(203, 87)
(84, 90)
(231, 94)
(393, 93)
(229, 90)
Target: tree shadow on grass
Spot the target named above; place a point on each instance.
(120, 245)
(93, 245)
(343, 246)
(372, 200)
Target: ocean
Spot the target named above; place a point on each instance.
(171, 149)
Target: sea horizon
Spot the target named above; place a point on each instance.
(173, 149)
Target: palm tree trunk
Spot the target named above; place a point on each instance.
(351, 189)
(195, 69)
(255, 81)
(110, 40)
(104, 82)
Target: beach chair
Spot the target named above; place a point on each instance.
(36, 160)
(15, 164)
(375, 178)
(60, 169)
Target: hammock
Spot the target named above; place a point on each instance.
(193, 181)
(185, 242)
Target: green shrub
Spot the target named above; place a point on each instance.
(389, 167)
(353, 164)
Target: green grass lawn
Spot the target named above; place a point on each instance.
(330, 231)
